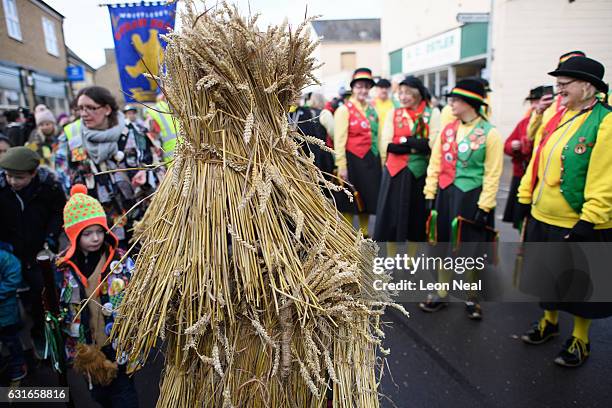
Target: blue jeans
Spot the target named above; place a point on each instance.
(10, 339)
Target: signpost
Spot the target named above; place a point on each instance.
(75, 73)
(473, 17)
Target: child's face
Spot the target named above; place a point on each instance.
(92, 238)
(47, 128)
(19, 180)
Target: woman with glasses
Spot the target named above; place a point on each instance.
(98, 142)
(567, 191)
(356, 148)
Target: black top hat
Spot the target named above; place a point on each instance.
(362, 74)
(585, 69)
(416, 83)
(471, 91)
(383, 83)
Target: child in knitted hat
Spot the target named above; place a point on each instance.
(93, 266)
(43, 139)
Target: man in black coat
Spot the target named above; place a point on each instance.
(31, 207)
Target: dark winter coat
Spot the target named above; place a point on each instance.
(33, 216)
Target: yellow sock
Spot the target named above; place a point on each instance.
(363, 223)
(412, 249)
(348, 217)
(391, 249)
(551, 316)
(581, 328)
(444, 276)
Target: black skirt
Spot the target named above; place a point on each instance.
(401, 213)
(511, 213)
(364, 175)
(551, 275)
(452, 202)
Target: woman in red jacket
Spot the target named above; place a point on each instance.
(519, 146)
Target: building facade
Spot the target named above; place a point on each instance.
(515, 47)
(87, 71)
(427, 40)
(108, 76)
(528, 38)
(346, 45)
(33, 57)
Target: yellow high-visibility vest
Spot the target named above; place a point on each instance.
(168, 131)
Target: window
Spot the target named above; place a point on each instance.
(12, 19)
(50, 37)
(348, 61)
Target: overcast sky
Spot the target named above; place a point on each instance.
(88, 31)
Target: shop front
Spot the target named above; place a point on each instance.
(441, 60)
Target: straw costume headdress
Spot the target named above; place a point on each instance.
(260, 290)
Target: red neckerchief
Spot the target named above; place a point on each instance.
(421, 127)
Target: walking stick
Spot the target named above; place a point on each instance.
(54, 341)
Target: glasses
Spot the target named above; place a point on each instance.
(87, 109)
(564, 84)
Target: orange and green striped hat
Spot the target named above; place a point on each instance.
(80, 212)
(363, 74)
(470, 90)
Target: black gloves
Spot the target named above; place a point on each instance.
(411, 145)
(420, 145)
(429, 204)
(52, 243)
(523, 210)
(398, 148)
(481, 217)
(582, 232)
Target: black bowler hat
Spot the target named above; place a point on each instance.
(362, 74)
(383, 83)
(585, 69)
(416, 83)
(569, 55)
(472, 91)
(535, 93)
(485, 83)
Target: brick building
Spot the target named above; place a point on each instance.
(108, 76)
(33, 56)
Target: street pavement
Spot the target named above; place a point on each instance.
(446, 360)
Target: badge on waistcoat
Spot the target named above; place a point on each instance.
(448, 157)
(580, 148)
(446, 146)
(364, 124)
(463, 147)
(403, 139)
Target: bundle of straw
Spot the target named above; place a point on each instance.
(261, 292)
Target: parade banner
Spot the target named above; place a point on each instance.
(138, 47)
